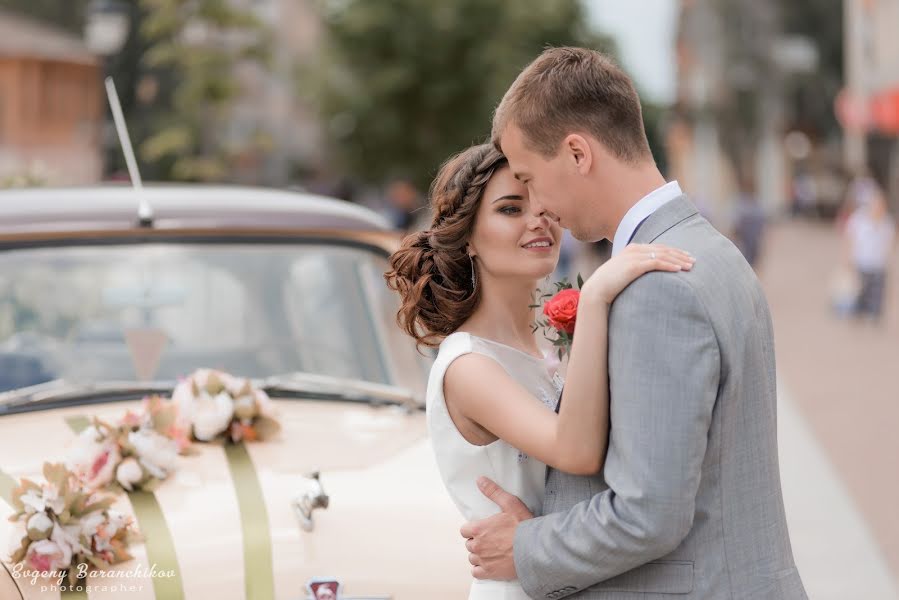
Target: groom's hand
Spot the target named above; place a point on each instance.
(490, 540)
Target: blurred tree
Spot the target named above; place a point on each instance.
(751, 30)
(747, 33)
(195, 49)
(811, 95)
(65, 14)
(654, 120)
(404, 83)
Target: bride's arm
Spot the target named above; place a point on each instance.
(479, 389)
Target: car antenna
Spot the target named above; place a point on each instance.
(144, 210)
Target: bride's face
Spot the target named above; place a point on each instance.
(513, 237)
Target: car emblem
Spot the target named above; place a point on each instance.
(324, 589)
(329, 588)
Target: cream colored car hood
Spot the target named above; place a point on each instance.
(389, 531)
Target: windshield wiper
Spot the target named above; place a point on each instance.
(324, 387)
(59, 392)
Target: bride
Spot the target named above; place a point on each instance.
(466, 285)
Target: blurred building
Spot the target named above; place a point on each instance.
(872, 87)
(272, 101)
(737, 64)
(694, 147)
(50, 104)
(884, 18)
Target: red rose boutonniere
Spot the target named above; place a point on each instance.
(559, 315)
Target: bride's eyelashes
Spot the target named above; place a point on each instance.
(510, 210)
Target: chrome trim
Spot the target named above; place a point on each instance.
(310, 500)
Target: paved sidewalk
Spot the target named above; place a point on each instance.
(834, 550)
(841, 375)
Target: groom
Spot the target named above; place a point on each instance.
(689, 500)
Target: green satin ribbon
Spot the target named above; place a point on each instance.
(259, 574)
(159, 544)
(157, 537)
(78, 423)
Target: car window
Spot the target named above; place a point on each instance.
(332, 317)
(411, 366)
(111, 311)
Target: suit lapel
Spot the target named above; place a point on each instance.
(667, 216)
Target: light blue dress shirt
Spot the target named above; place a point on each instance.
(640, 211)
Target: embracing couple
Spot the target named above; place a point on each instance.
(654, 471)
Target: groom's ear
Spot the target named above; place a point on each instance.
(578, 152)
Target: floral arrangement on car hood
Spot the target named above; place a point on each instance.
(214, 404)
(138, 452)
(67, 527)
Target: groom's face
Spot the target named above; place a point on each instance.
(550, 183)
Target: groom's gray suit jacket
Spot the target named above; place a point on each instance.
(689, 500)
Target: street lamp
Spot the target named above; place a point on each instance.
(795, 54)
(106, 26)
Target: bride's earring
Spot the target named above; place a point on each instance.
(474, 279)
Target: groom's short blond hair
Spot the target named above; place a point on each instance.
(568, 90)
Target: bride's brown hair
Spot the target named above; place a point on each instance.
(432, 270)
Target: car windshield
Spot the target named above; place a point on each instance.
(157, 311)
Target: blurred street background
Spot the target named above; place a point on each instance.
(779, 119)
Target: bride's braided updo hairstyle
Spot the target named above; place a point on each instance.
(432, 270)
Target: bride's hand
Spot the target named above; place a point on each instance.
(636, 259)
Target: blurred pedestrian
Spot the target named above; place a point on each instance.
(323, 183)
(859, 192)
(404, 205)
(870, 235)
(749, 224)
(805, 199)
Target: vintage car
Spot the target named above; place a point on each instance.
(100, 306)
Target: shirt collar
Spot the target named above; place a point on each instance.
(640, 211)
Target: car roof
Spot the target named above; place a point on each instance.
(181, 206)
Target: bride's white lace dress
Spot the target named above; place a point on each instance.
(461, 463)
